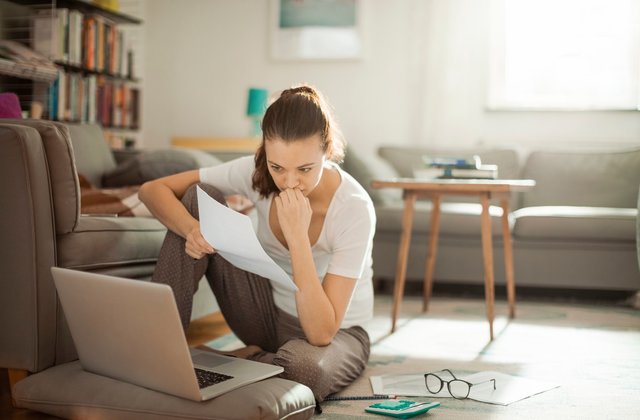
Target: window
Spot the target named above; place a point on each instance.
(565, 55)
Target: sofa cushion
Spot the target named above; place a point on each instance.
(68, 391)
(114, 241)
(638, 230)
(595, 179)
(152, 164)
(575, 223)
(455, 218)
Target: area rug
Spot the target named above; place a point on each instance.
(592, 351)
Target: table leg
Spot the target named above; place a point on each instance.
(431, 252)
(403, 254)
(487, 252)
(508, 258)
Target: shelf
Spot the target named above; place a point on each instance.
(104, 127)
(85, 7)
(78, 69)
(27, 71)
(115, 128)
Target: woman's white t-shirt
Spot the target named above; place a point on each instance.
(343, 247)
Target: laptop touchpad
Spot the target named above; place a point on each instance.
(210, 359)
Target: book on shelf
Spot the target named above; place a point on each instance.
(91, 59)
(94, 98)
(50, 34)
(455, 168)
(83, 40)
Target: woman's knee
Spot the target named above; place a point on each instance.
(303, 363)
(190, 197)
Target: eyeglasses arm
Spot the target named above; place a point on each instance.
(488, 380)
(449, 372)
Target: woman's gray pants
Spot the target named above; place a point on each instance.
(246, 302)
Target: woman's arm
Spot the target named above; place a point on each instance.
(162, 198)
(321, 307)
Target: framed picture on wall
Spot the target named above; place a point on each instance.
(316, 29)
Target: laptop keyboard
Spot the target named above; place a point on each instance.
(207, 378)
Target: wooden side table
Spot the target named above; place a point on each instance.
(434, 189)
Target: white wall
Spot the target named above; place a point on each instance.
(456, 91)
(422, 79)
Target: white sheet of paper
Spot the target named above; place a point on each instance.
(509, 389)
(232, 235)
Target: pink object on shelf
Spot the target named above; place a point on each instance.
(10, 106)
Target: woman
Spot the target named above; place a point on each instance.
(314, 220)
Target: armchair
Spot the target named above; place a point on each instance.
(41, 226)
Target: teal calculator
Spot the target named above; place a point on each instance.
(401, 409)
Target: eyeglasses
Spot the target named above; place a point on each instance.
(458, 388)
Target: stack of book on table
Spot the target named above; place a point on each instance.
(455, 168)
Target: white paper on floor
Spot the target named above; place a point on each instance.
(509, 389)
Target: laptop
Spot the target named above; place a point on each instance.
(130, 330)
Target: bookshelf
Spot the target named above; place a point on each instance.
(92, 53)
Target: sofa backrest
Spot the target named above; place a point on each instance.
(62, 173)
(406, 159)
(598, 179)
(41, 203)
(92, 153)
(28, 304)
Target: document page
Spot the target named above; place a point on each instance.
(232, 235)
(509, 389)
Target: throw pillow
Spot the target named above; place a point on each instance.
(114, 202)
(154, 164)
(366, 168)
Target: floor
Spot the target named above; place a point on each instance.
(210, 327)
(590, 348)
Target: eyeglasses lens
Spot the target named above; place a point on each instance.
(434, 384)
(459, 389)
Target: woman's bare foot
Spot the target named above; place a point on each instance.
(245, 352)
(242, 353)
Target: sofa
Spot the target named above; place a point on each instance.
(575, 230)
(638, 233)
(42, 225)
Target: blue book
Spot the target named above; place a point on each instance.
(53, 99)
(452, 162)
